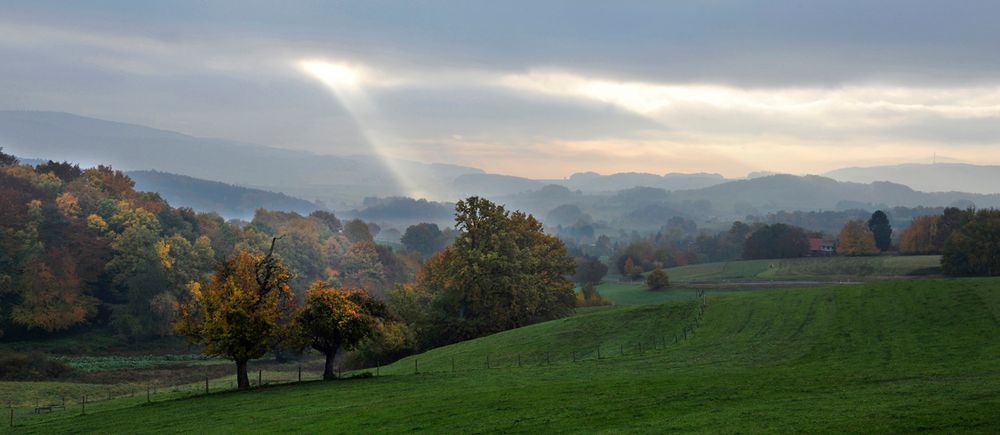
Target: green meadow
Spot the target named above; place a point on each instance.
(886, 356)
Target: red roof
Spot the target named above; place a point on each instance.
(816, 244)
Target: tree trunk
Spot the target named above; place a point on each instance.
(242, 380)
(328, 372)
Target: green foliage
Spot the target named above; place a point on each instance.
(657, 279)
(501, 272)
(32, 366)
(975, 248)
(423, 238)
(589, 270)
(881, 230)
(590, 297)
(776, 241)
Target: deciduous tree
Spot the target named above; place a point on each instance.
(856, 239)
(335, 319)
(241, 311)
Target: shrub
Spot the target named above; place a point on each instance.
(589, 297)
(657, 279)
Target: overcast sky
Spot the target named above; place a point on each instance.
(540, 89)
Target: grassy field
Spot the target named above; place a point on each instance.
(892, 356)
(806, 269)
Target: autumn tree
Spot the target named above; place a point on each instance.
(881, 230)
(856, 239)
(657, 279)
(501, 272)
(241, 311)
(335, 319)
(919, 237)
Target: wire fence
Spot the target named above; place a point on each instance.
(22, 414)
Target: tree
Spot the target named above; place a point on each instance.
(657, 279)
(501, 272)
(856, 239)
(357, 230)
(242, 311)
(881, 230)
(589, 270)
(335, 319)
(424, 238)
(919, 237)
(7, 159)
(328, 219)
(776, 241)
(975, 248)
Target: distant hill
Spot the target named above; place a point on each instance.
(940, 177)
(340, 181)
(493, 185)
(791, 192)
(227, 200)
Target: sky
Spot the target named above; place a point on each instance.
(541, 89)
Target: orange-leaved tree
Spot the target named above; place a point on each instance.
(337, 318)
(856, 239)
(242, 311)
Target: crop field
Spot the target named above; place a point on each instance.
(887, 356)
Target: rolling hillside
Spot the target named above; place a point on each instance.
(882, 357)
(227, 200)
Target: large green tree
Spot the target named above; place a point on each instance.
(424, 238)
(501, 272)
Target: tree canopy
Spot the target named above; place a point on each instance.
(501, 272)
(881, 230)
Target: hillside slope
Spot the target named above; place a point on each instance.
(227, 200)
(884, 357)
(959, 177)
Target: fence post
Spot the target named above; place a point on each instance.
(83, 406)
(378, 364)
(11, 417)
(487, 360)
(574, 356)
(519, 360)
(206, 384)
(548, 358)
(598, 351)
(621, 349)
(300, 372)
(453, 364)
(260, 377)
(415, 368)
(147, 393)
(640, 346)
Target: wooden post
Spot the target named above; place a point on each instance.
(206, 384)
(260, 377)
(640, 346)
(487, 360)
(147, 393)
(415, 368)
(300, 372)
(453, 364)
(548, 358)
(83, 406)
(598, 351)
(519, 360)
(574, 356)
(378, 364)
(11, 417)
(621, 349)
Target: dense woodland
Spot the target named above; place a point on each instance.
(81, 248)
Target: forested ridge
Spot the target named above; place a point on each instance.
(81, 248)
